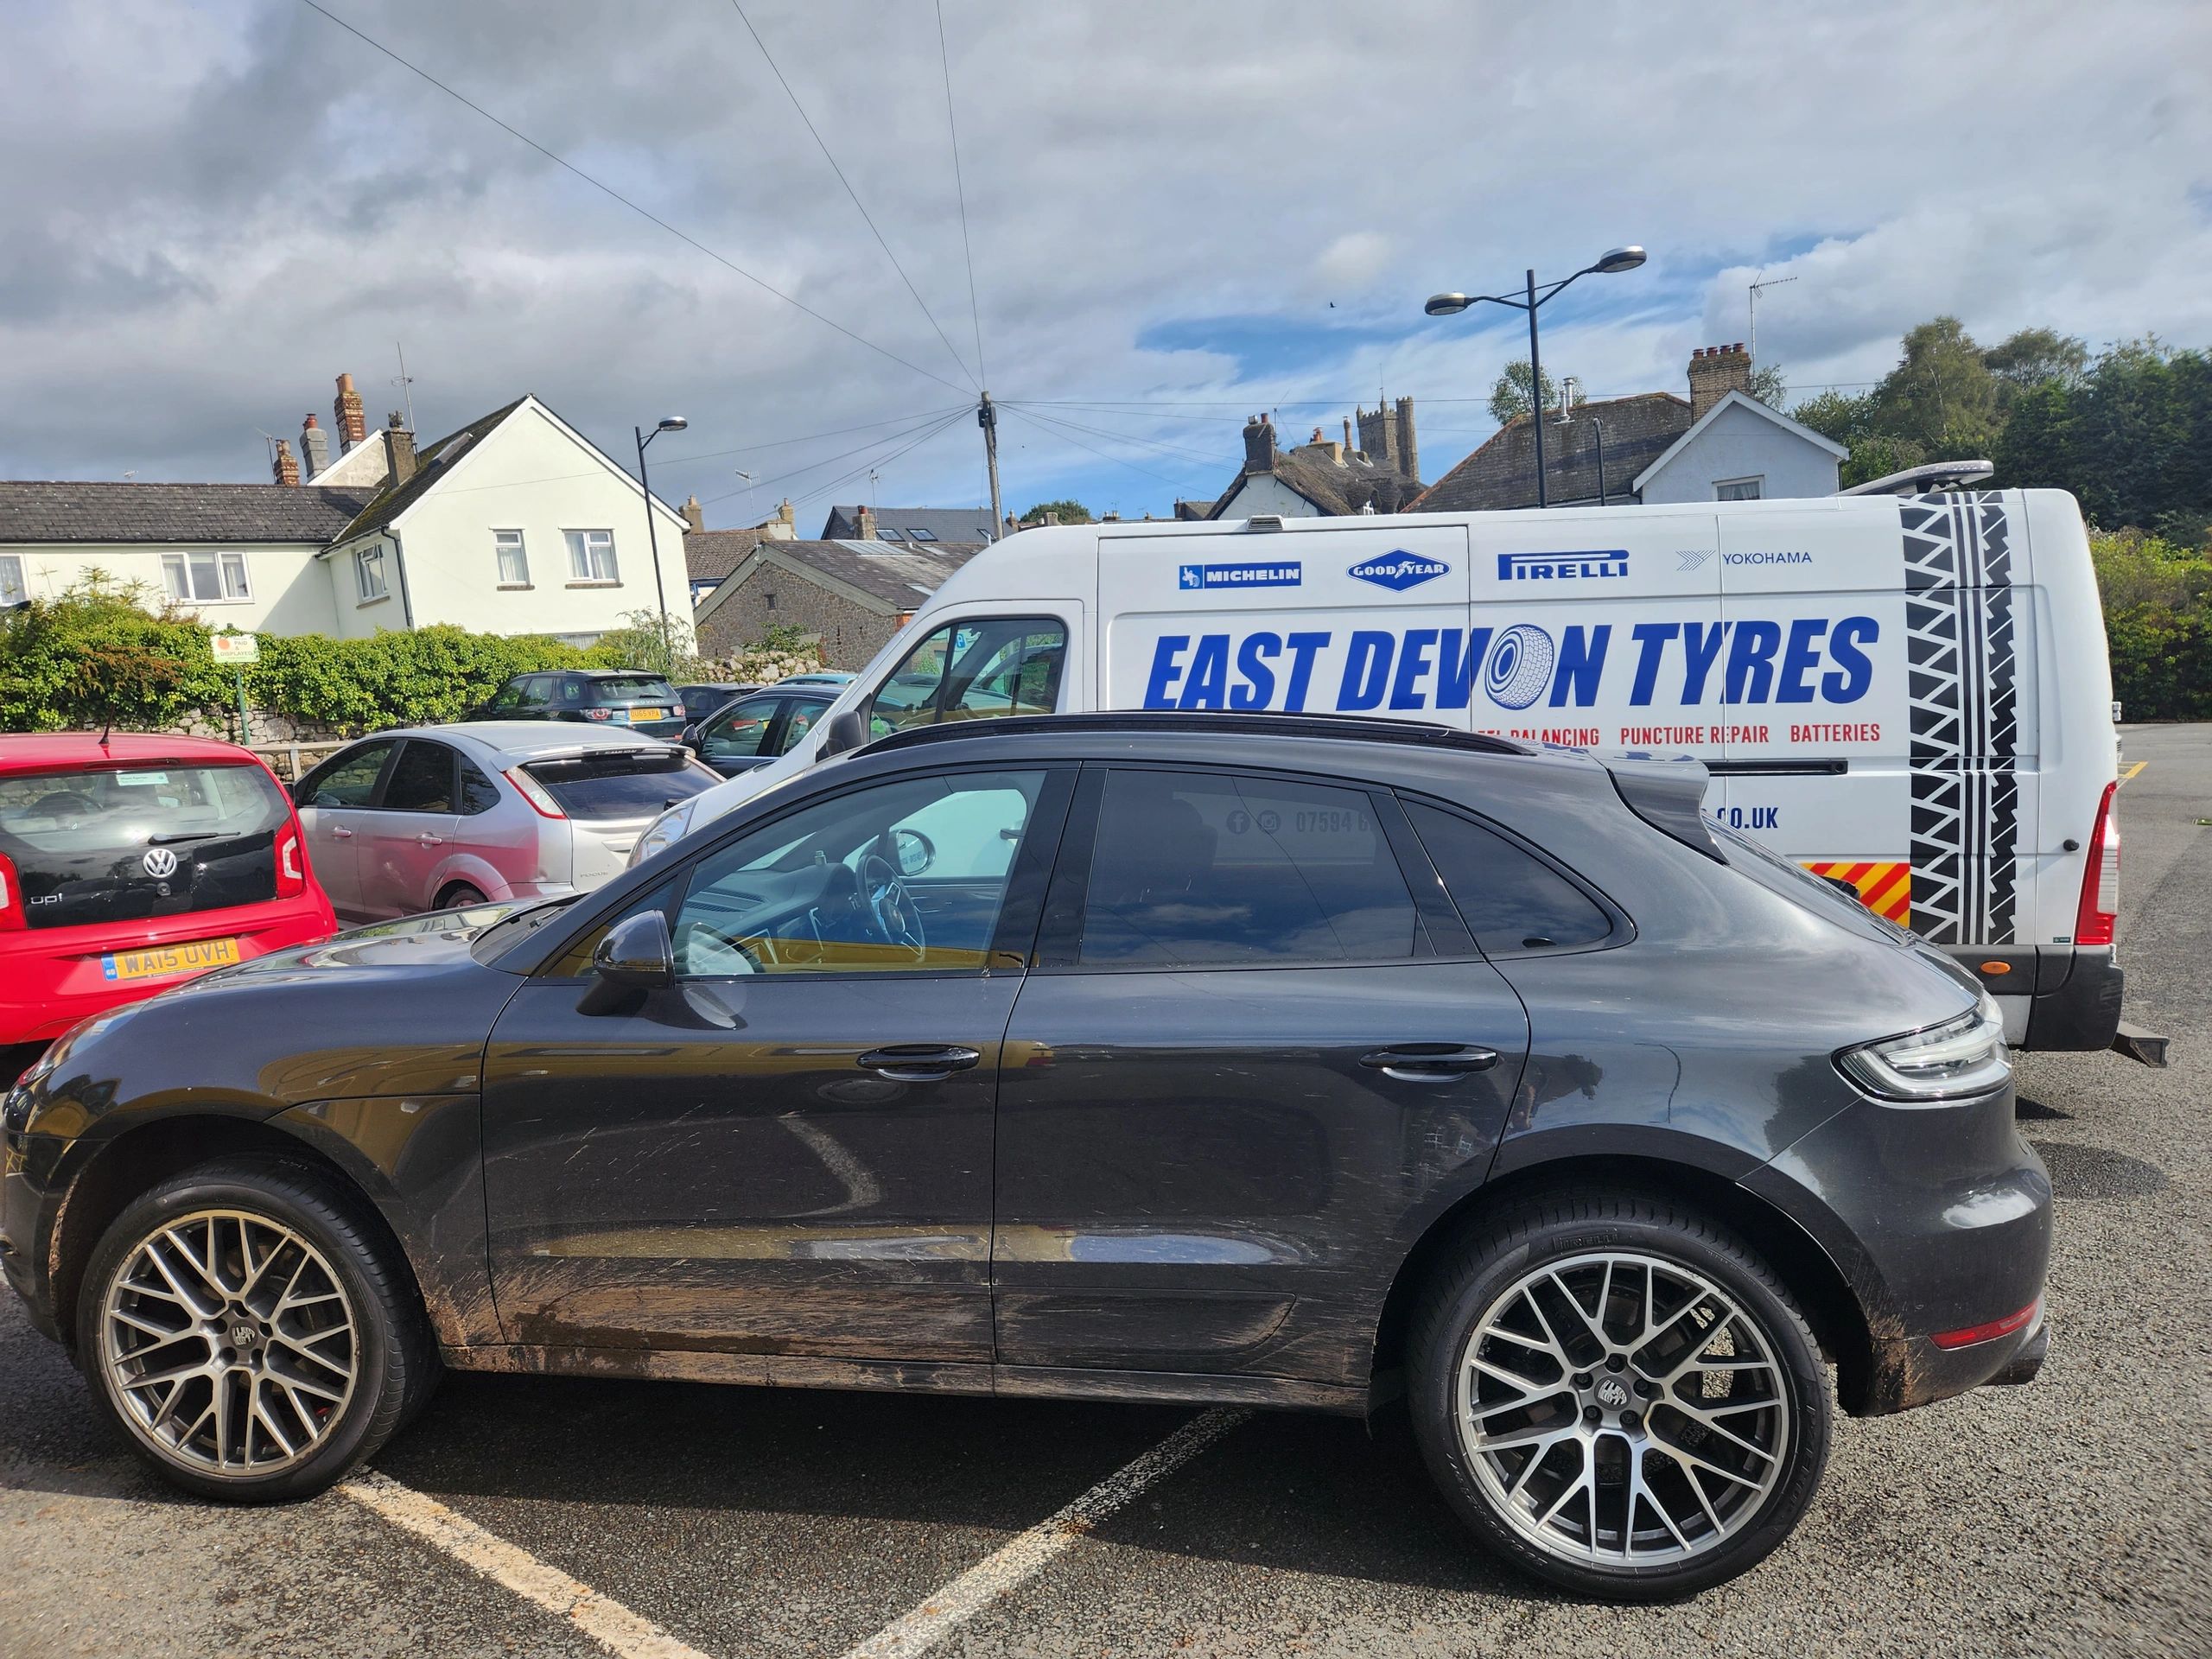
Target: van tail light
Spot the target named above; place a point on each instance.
(11, 897)
(291, 869)
(2093, 925)
(535, 793)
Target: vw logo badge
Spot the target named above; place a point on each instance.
(159, 861)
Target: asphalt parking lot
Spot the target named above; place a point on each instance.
(668, 1520)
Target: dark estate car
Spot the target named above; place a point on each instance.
(753, 730)
(1296, 1062)
(644, 701)
(704, 697)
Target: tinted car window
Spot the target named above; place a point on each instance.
(805, 712)
(1193, 869)
(738, 733)
(1509, 900)
(901, 877)
(478, 792)
(575, 961)
(423, 781)
(632, 688)
(348, 780)
(972, 670)
(619, 785)
(509, 698)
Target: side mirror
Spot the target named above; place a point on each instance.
(690, 739)
(844, 733)
(637, 954)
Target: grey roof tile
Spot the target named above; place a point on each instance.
(1502, 472)
(60, 511)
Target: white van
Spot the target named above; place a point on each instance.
(1909, 694)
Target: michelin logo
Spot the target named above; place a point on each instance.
(1553, 566)
(1400, 570)
(1285, 573)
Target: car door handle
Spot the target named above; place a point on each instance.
(1429, 1062)
(337, 833)
(919, 1062)
(426, 839)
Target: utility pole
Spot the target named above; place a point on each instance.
(1536, 390)
(1755, 285)
(987, 417)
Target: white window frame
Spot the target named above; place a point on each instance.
(233, 583)
(370, 583)
(1758, 481)
(519, 577)
(592, 562)
(12, 588)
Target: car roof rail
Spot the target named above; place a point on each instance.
(1258, 721)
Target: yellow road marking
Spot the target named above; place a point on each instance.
(2132, 770)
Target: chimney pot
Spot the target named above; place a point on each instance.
(287, 469)
(345, 413)
(398, 449)
(315, 447)
(866, 525)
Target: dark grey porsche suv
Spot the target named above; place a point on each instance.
(1289, 1061)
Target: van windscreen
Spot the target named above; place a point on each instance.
(120, 844)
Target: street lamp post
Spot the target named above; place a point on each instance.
(1450, 305)
(673, 423)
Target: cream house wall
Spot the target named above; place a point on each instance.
(530, 474)
(288, 590)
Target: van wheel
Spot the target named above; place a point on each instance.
(245, 1329)
(459, 896)
(1618, 1396)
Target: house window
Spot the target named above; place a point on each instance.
(368, 574)
(921, 535)
(1739, 489)
(514, 563)
(886, 534)
(208, 578)
(772, 601)
(591, 555)
(12, 591)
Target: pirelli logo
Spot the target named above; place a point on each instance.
(1885, 889)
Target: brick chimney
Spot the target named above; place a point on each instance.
(1258, 445)
(315, 446)
(695, 516)
(398, 448)
(1716, 370)
(866, 530)
(346, 415)
(1408, 456)
(281, 464)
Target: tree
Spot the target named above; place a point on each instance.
(639, 644)
(1942, 399)
(1509, 398)
(1771, 384)
(1070, 512)
(2034, 356)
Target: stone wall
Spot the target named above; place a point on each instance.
(850, 633)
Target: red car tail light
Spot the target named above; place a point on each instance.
(1989, 1332)
(11, 896)
(291, 870)
(541, 801)
(2100, 909)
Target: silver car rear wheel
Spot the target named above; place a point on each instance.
(1618, 1409)
(229, 1346)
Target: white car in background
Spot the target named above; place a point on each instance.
(441, 817)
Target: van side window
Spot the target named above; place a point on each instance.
(974, 671)
(1198, 869)
(1511, 901)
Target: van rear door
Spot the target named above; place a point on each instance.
(1324, 615)
(1886, 703)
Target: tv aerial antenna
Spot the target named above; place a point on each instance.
(1757, 285)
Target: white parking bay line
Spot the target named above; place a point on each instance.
(1030, 1554)
(611, 1624)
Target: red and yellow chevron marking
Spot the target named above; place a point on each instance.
(1886, 888)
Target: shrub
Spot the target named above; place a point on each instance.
(2158, 605)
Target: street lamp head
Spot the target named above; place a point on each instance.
(677, 423)
(1446, 305)
(1619, 260)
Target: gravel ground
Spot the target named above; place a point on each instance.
(2070, 1516)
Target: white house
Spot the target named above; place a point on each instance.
(515, 523)
(1741, 450)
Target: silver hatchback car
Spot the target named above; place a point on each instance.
(439, 818)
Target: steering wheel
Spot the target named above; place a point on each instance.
(898, 919)
(709, 953)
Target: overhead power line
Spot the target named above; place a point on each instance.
(608, 189)
(809, 437)
(866, 217)
(1050, 430)
(858, 449)
(879, 462)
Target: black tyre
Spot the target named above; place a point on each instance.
(1618, 1395)
(460, 896)
(245, 1327)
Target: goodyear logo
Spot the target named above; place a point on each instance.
(1560, 567)
(1282, 573)
(1400, 570)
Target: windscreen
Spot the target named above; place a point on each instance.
(626, 784)
(125, 843)
(634, 688)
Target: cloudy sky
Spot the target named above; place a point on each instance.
(1179, 213)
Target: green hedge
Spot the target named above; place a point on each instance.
(96, 654)
(2158, 600)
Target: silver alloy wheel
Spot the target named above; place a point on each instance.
(1619, 1409)
(229, 1344)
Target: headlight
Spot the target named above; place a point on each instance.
(1961, 1056)
(664, 831)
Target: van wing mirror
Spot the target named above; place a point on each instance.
(845, 732)
(637, 954)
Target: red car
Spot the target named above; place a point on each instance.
(129, 863)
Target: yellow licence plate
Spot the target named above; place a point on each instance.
(197, 957)
(637, 714)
